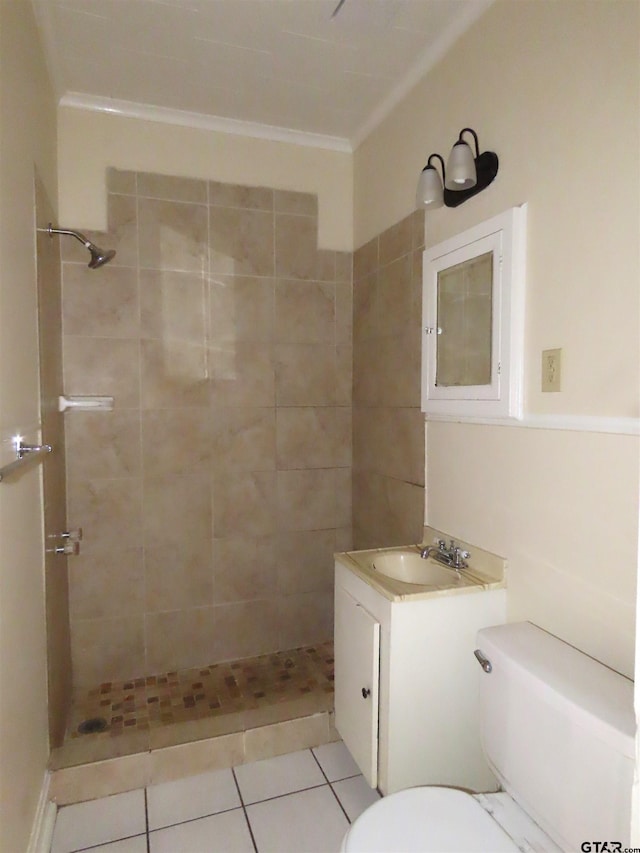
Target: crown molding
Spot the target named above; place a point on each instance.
(420, 68)
(202, 121)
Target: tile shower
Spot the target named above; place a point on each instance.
(214, 495)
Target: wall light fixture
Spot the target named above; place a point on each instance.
(464, 176)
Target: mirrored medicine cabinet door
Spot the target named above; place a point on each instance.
(473, 303)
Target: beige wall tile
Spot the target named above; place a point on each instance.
(344, 267)
(305, 374)
(121, 181)
(172, 188)
(365, 309)
(241, 241)
(302, 204)
(234, 195)
(173, 306)
(305, 618)
(174, 374)
(244, 504)
(296, 247)
(313, 437)
(344, 375)
(244, 629)
(176, 442)
(178, 576)
(242, 374)
(191, 759)
(180, 639)
(394, 304)
(107, 649)
(103, 444)
(344, 539)
(366, 259)
(305, 560)
(288, 736)
(172, 235)
(244, 568)
(109, 512)
(177, 509)
(101, 587)
(305, 312)
(397, 240)
(242, 308)
(244, 439)
(104, 305)
(344, 313)
(307, 500)
(100, 779)
(103, 367)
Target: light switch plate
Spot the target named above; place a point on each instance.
(551, 369)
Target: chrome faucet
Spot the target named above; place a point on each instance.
(452, 556)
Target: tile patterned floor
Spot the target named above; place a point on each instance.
(227, 695)
(300, 802)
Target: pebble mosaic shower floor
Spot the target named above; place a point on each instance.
(192, 703)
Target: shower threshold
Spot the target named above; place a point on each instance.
(179, 707)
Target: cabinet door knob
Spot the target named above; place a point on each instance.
(365, 692)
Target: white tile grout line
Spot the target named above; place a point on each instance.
(331, 786)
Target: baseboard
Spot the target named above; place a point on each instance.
(44, 821)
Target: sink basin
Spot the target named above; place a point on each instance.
(409, 567)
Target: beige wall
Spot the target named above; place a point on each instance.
(27, 136)
(214, 495)
(558, 100)
(90, 142)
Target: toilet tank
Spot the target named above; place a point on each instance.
(558, 730)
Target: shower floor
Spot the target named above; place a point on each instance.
(191, 704)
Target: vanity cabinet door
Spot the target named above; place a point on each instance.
(357, 665)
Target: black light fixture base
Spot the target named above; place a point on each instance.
(486, 170)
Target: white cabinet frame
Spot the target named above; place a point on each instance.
(505, 237)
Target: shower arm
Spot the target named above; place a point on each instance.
(99, 257)
(50, 230)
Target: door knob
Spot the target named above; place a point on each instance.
(366, 692)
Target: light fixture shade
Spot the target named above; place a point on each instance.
(461, 168)
(430, 192)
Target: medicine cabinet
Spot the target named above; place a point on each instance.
(473, 321)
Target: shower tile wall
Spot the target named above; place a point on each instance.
(388, 428)
(214, 495)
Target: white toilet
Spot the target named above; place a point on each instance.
(557, 729)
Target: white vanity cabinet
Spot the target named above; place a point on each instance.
(406, 682)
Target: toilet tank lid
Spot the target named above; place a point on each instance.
(598, 696)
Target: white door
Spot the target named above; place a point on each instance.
(357, 665)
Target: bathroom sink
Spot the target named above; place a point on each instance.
(409, 567)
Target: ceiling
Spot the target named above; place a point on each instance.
(281, 67)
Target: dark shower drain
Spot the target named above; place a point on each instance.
(93, 725)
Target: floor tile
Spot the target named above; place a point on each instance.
(274, 777)
(336, 761)
(309, 821)
(221, 833)
(355, 795)
(193, 797)
(99, 821)
(138, 844)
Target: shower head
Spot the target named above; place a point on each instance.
(99, 257)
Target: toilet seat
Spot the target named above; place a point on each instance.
(427, 820)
